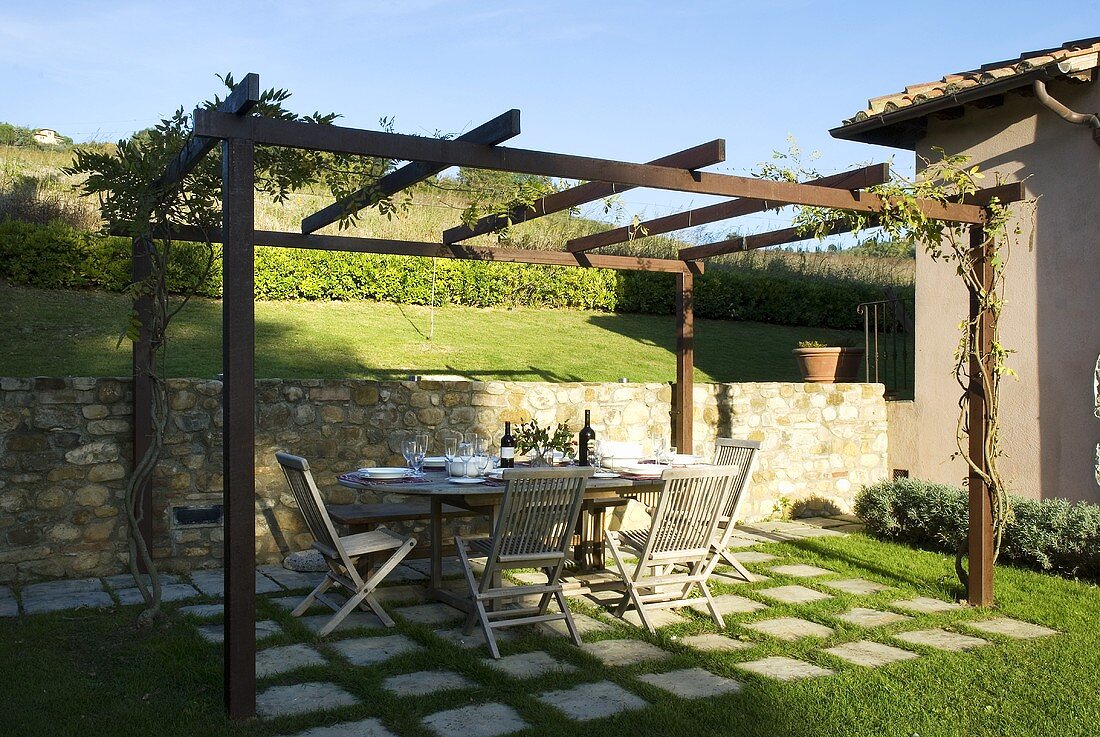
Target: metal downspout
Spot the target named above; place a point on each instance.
(1089, 119)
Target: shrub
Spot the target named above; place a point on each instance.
(1051, 534)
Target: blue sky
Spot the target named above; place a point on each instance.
(623, 80)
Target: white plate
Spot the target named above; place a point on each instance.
(605, 475)
(435, 462)
(645, 469)
(388, 472)
(466, 481)
(684, 460)
(496, 473)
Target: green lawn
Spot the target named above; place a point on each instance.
(74, 333)
(91, 673)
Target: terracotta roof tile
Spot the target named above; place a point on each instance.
(1084, 53)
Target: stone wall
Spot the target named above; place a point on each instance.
(67, 447)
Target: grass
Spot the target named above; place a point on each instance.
(84, 673)
(74, 333)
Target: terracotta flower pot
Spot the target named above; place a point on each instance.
(830, 364)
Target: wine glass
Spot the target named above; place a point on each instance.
(408, 450)
(450, 450)
(597, 455)
(420, 448)
(670, 455)
(465, 453)
(658, 440)
(481, 460)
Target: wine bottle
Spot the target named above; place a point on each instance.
(587, 435)
(507, 448)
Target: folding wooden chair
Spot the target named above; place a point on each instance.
(740, 453)
(534, 528)
(346, 556)
(681, 534)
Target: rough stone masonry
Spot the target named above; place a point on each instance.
(67, 450)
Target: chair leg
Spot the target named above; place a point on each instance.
(345, 610)
(569, 623)
(308, 601)
(712, 606)
(736, 565)
(478, 607)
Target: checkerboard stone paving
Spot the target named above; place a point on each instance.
(865, 617)
(168, 593)
(730, 604)
(749, 557)
(292, 579)
(475, 638)
(593, 700)
(212, 582)
(658, 617)
(691, 683)
(1013, 628)
(583, 623)
(431, 614)
(371, 650)
(801, 571)
(794, 594)
(926, 605)
(941, 639)
(530, 665)
(715, 643)
(276, 660)
(870, 654)
(357, 620)
(216, 632)
(363, 728)
(624, 652)
(9, 607)
(856, 586)
(785, 669)
(424, 683)
(54, 596)
(480, 720)
(789, 628)
(301, 698)
(203, 611)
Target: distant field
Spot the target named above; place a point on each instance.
(68, 333)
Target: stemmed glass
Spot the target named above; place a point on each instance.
(408, 450)
(658, 440)
(420, 450)
(450, 450)
(465, 453)
(597, 456)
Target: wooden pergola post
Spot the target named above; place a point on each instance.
(685, 363)
(140, 268)
(239, 429)
(980, 532)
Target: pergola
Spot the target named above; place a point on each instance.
(239, 132)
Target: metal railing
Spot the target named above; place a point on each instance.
(888, 342)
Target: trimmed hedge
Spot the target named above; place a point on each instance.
(57, 256)
(1046, 535)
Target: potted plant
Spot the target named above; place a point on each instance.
(825, 364)
(538, 440)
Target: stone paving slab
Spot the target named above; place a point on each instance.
(755, 556)
(530, 665)
(364, 728)
(730, 604)
(301, 698)
(1013, 628)
(810, 532)
(126, 581)
(865, 617)
(789, 628)
(431, 614)
(593, 700)
(657, 617)
(475, 638)
(171, 592)
(941, 639)
(39, 601)
(785, 669)
(624, 652)
(583, 622)
(730, 577)
(856, 586)
(849, 528)
(290, 603)
(212, 582)
(371, 650)
(357, 620)
(926, 605)
(826, 522)
(870, 654)
(715, 643)
(292, 579)
(692, 683)
(747, 532)
(276, 660)
(794, 594)
(9, 607)
(799, 570)
(737, 542)
(216, 632)
(203, 611)
(480, 720)
(404, 593)
(426, 682)
(404, 574)
(423, 566)
(63, 587)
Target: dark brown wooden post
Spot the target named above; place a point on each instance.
(141, 267)
(685, 358)
(980, 533)
(239, 431)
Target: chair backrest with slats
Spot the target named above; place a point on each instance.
(688, 509)
(740, 453)
(311, 504)
(537, 515)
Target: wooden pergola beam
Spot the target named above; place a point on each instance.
(856, 179)
(497, 130)
(335, 139)
(385, 246)
(244, 97)
(696, 157)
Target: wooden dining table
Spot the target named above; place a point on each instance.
(484, 499)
